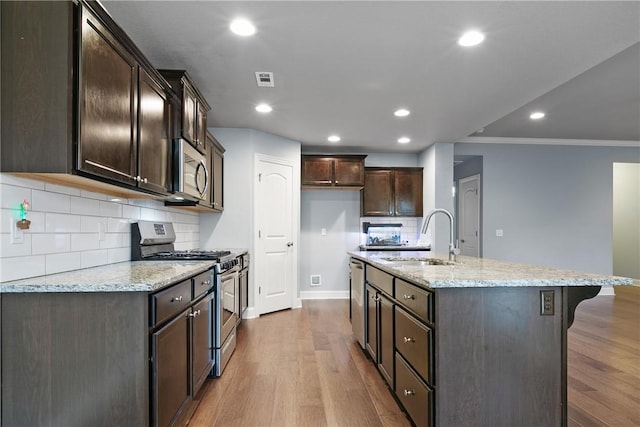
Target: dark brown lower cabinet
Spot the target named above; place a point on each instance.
(371, 331)
(385, 338)
(170, 361)
(415, 395)
(379, 332)
(201, 342)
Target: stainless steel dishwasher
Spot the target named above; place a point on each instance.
(356, 271)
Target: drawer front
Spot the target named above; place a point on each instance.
(170, 301)
(379, 279)
(202, 283)
(415, 299)
(415, 396)
(413, 341)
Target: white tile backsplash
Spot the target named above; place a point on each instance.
(20, 267)
(409, 232)
(84, 206)
(65, 232)
(57, 263)
(61, 223)
(84, 242)
(44, 201)
(50, 243)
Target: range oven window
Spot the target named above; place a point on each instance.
(228, 298)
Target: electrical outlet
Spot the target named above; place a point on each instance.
(316, 280)
(17, 234)
(546, 303)
(499, 232)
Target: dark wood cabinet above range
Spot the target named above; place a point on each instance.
(392, 192)
(193, 108)
(85, 102)
(329, 171)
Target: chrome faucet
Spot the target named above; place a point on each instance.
(453, 250)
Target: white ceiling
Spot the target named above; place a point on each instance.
(344, 67)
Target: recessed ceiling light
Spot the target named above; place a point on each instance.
(404, 140)
(402, 112)
(536, 115)
(263, 108)
(242, 27)
(471, 38)
(333, 138)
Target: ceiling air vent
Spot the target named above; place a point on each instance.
(264, 79)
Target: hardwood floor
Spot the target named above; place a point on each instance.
(604, 362)
(304, 368)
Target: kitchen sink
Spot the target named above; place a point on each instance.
(419, 261)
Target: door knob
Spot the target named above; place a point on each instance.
(289, 244)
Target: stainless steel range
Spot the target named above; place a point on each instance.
(154, 241)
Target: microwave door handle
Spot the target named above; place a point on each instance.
(206, 178)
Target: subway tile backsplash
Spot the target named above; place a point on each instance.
(73, 228)
(409, 233)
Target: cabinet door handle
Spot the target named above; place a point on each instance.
(194, 314)
(98, 165)
(409, 392)
(409, 340)
(177, 299)
(405, 296)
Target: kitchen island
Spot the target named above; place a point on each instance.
(477, 342)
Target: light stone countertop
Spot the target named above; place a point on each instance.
(135, 276)
(471, 272)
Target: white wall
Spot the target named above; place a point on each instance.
(234, 227)
(337, 211)
(65, 223)
(554, 203)
(437, 161)
(626, 219)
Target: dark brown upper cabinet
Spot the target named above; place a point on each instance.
(192, 122)
(84, 103)
(217, 174)
(328, 171)
(392, 192)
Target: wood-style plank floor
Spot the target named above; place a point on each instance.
(304, 368)
(603, 362)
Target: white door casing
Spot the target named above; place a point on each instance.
(275, 230)
(469, 215)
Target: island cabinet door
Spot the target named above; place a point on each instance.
(371, 330)
(170, 367)
(385, 339)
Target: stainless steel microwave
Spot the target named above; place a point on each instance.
(191, 172)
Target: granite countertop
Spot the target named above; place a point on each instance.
(471, 272)
(135, 276)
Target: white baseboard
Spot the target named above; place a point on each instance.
(324, 295)
(250, 313)
(606, 290)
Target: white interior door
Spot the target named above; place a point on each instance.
(469, 215)
(275, 228)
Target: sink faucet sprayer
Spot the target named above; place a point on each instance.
(453, 250)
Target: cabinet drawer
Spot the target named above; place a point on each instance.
(202, 283)
(379, 279)
(170, 302)
(415, 396)
(415, 299)
(413, 341)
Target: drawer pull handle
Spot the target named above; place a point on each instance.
(177, 299)
(205, 283)
(405, 296)
(409, 392)
(194, 314)
(408, 340)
